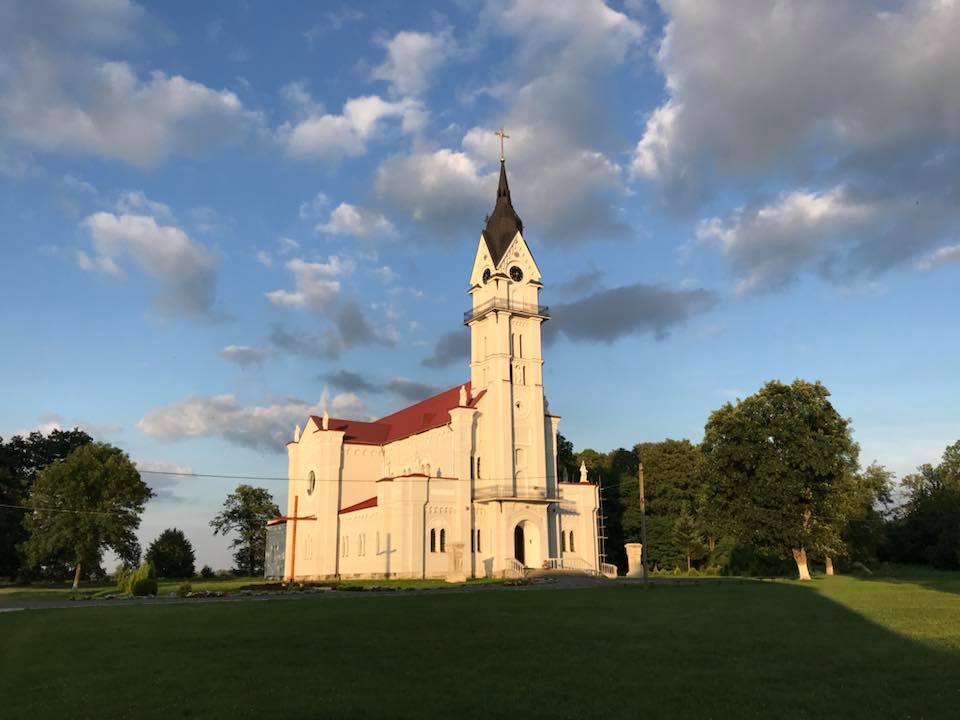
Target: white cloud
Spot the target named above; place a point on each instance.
(264, 258)
(260, 427)
(103, 108)
(769, 245)
(940, 256)
(317, 288)
(347, 134)
(347, 404)
(135, 202)
(346, 219)
(186, 270)
(315, 207)
(412, 58)
(244, 354)
(163, 477)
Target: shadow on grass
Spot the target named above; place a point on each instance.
(929, 578)
(739, 649)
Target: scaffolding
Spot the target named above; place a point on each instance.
(601, 523)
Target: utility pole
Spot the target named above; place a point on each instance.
(643, 525)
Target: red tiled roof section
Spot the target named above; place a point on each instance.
(425, 415)
(362, 505)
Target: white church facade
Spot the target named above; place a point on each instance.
(463, 484)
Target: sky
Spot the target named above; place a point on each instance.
(217, 218)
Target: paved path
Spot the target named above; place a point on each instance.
(553, 583)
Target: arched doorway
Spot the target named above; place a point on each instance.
(526, 544)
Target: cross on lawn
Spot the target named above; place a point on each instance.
(293, 549)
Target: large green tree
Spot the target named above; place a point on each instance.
(84, 504)
(21, 458)
(781, 462)
(246, 512)
(171, 555)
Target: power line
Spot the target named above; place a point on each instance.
(61, 510)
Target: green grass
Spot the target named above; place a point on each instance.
(59, 591)
(883, 647)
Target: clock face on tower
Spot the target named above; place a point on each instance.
(486, 275)
(516, 274)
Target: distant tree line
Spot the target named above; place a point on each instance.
(775, 484)
(65, 500)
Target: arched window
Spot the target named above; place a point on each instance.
(443, 540)
(311, 483)
(433, 541)
(572, 549)
(478, 539)
(563, 541)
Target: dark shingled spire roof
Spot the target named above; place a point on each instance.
(503, 223)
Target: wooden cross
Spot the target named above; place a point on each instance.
(501, 134)
(293, 549)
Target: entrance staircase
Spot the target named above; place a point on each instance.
(558, 567)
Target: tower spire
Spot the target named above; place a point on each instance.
(503, 223)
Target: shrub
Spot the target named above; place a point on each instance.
(127, 579)
(207, 573)
(144, 587)
(183, 590)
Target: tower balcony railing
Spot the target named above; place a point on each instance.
(510, 492)
(514, 306)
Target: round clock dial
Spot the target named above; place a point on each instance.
(516, 274)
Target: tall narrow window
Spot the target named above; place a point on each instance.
(433, 541)
(311, 483)
(563, 540)
(473, 461)
(443, 540)
(524, 370)
(478, 540)
(478, 468)
(572, 549)
(521, 344)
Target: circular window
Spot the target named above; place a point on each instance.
(486, 275)
(516, 274)
(311, 483)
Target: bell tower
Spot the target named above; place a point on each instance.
(506, 360)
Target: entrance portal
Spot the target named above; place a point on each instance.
(526, 544)
(518, 543)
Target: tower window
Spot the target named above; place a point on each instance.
(443, 541)
(433, 541)
(563, 541)
(572, 549)
(478, 539)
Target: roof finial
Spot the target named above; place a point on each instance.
(501, 134)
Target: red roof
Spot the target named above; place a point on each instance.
(425, 415)
(362, 505)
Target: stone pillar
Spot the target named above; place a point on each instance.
(634, 559)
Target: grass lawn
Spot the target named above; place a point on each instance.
(836, 647)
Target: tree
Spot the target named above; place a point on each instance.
(566, 461)
(86, 503)
(21, 458)
(687, 537)
(171, 555)
(781, 461)
(246, 512)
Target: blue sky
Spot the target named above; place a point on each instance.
(218, 216)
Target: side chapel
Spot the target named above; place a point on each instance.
(463, 484)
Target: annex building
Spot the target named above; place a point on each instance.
(463, 484)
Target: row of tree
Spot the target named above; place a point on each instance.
(775, 482)
(65, 500)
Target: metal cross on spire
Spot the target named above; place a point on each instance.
(501, 134)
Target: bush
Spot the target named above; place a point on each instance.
(207, 573)
(127, 579)
(183, 590)
(144, 587)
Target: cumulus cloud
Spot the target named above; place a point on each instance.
(325, 135)
(556, 99)
(347, 405)
(412, 58)
(163, 477)
(265, 428)
(244, 355)
(362, 223)
(185, 269)
(818, 96)
(135, 202)
(608, 315)
(350, 381)
(325, 346)
(317, 286)
(768, 245)
(406, 388)
(411, 390)
(941, 256)
(451, 347)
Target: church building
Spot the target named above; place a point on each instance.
(461, 485)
